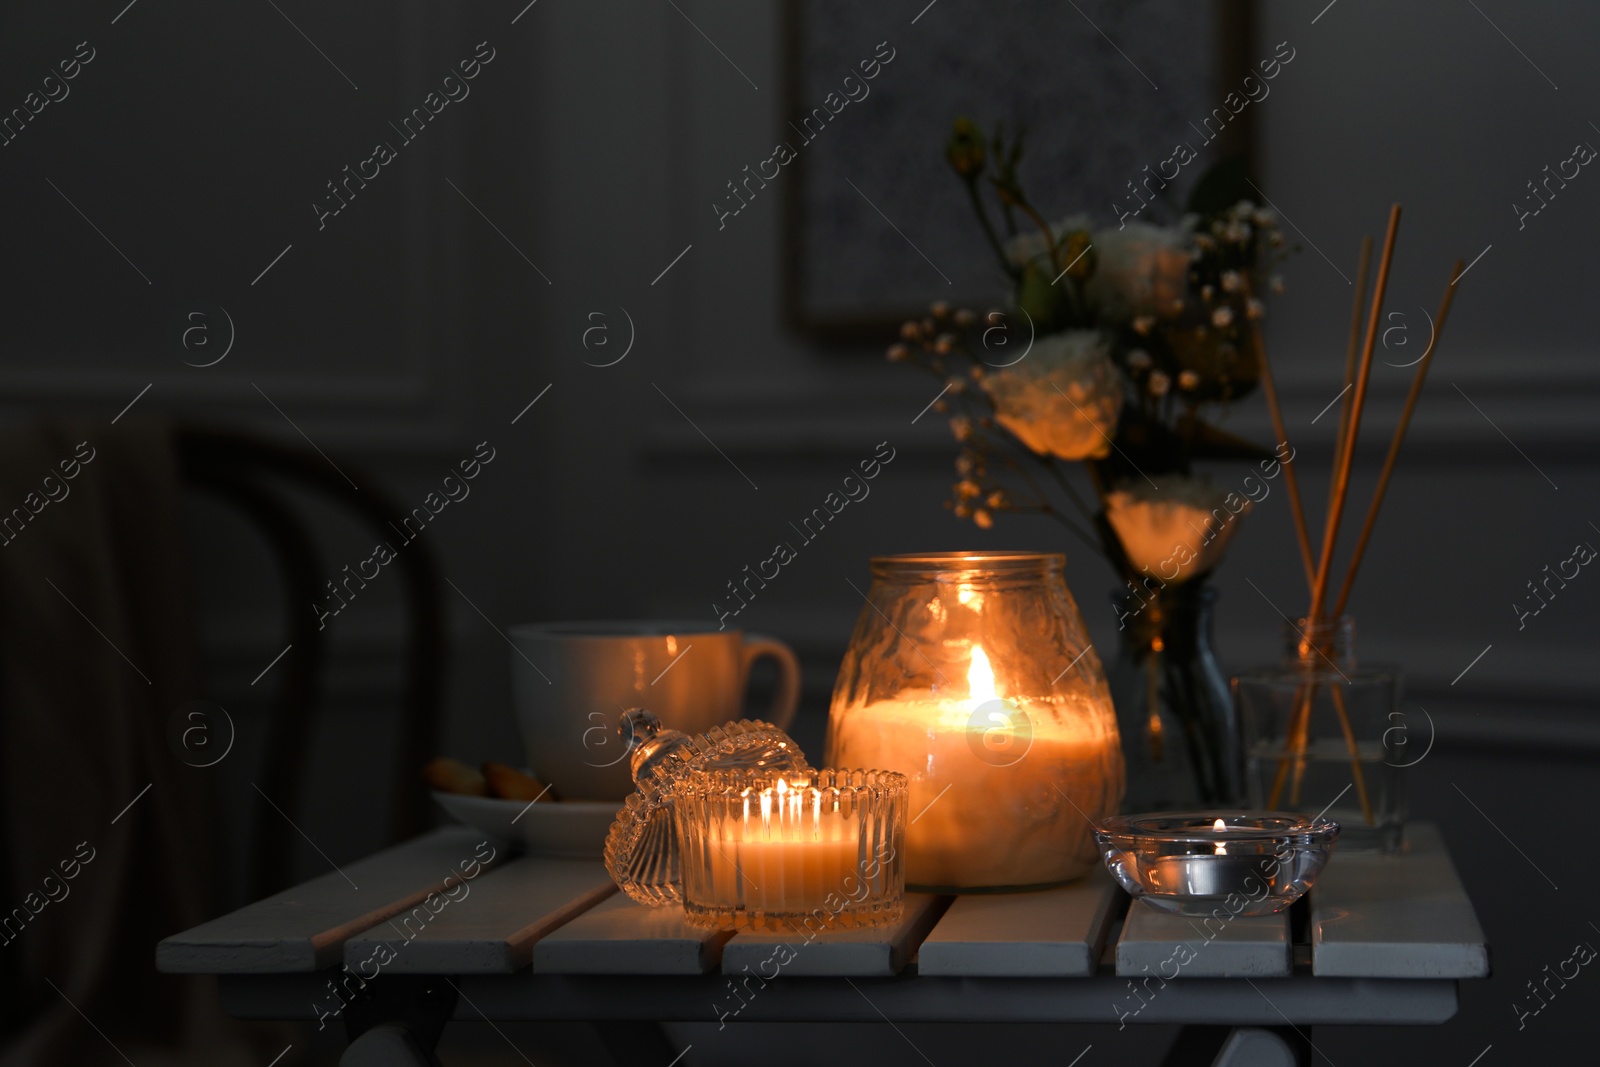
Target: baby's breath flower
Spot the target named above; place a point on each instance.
(910, 331)
(1222, 317)
(899, 353)
(1158, 383)
(964, 317)
(1139, 359)
(983, 519)
(1188, 380)
(1142, 324)
(939, 309)
(1254, 309)
(961, 428)
(1232, 281)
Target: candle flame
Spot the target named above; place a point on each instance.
(980, 678)
(1219, 826)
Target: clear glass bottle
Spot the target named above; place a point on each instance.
(641, 853)
(971, 674)
(1320, 733)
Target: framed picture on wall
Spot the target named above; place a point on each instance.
(876, 222)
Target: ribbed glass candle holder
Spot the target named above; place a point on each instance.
(795, 850)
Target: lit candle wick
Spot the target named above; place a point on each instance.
(1220, 827)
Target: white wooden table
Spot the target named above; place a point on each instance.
(388, 940)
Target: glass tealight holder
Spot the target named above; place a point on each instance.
(792, 850)
(1210, 864)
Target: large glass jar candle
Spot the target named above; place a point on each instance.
(971, 674)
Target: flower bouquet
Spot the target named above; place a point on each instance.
(1121, 348)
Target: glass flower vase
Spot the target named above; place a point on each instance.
(1174, 712)
(1322, 733)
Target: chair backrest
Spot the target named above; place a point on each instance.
(246, 471)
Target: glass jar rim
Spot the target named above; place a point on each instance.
(830, 781)
(1194, 828)
(998, 563)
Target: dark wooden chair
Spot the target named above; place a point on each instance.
(249, 472)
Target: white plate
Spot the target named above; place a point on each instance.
(573, 829)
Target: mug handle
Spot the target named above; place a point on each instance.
(787, 699)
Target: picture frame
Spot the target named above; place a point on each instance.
(876, 225)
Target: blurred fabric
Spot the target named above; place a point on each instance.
(97, 657)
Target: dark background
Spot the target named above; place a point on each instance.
(411, 328)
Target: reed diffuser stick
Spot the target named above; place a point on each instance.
(1291, 480)
(1393, 457)
(1319, 592)
(1353, 347)
(1355, 752)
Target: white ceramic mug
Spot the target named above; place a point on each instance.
(571, 681)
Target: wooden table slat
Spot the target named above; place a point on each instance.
(1162, 945)
(1396, 916)
(1054, 933)
(621, 936)
(305, 928)
(491, 928)
(878, 951)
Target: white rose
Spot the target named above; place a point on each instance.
(1178, 530)
(1063, 398)
(1140, 269)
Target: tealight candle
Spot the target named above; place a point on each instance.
(816, 849)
